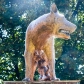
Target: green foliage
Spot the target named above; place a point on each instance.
(15, 15)
(1, 81)
(58, 47)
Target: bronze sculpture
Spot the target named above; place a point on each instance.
(40, 35)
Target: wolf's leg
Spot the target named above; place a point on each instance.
(28, 55)
(28, 65)
(50, 52)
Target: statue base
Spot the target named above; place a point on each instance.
(44, 82)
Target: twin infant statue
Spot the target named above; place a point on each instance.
(43, 67)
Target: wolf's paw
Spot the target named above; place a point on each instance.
(55, 79)
(26, 79)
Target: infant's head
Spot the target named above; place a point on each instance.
(41, 70)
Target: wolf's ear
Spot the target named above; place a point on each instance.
(53, 8)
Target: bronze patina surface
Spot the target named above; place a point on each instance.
(40, 35)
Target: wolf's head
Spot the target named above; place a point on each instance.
(62, 27)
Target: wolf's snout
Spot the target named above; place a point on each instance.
(73, 28)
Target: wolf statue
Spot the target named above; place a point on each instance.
(40, 35)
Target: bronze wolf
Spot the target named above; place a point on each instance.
(40, 35)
